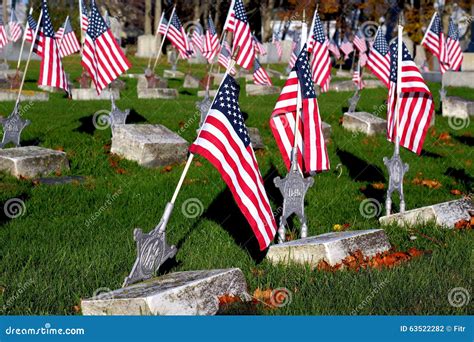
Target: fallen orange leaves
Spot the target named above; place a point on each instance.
(378, 186)
(430, 183)
(456, 192)
(229, 299)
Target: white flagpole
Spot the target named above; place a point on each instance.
(80, 22)
(23, 41)
(164, 38)
(399, 87)
(156, 36)
(429, 26)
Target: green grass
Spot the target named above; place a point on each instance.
(50, 258)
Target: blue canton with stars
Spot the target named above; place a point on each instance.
(47, 27)
(227, 102)
(303, 70)
(380, 44)
(436, 26)
(393, 59)
(211, 27)
(453, 32)
(31, 22)
(97, 25)
(240, 11)
(175, 22)
(256, 65)
(318, 32)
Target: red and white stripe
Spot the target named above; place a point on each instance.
(377, 62)
(197, 40)
(260, 75)
(321, 65)
(243, 39)
(3, 36)
(15, 30)
(435, 42)
(211, 46)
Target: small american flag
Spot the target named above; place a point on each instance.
(178, 37)
(360, 43)
(357, 77)
(59, 33)
(320, 60)
(163, 25)
(334, 49)
(277, 42)
(259, 47)
(379, 59)
(295, 51)
(260, 76)
(455, 55)
(243, 37)
(84, 15)
(434, 41)
(416, 105)
(312, 152)
(197, 39)
(229, 24)
(346, 47)
(211, 43)
(101, 55)
(225, 142)
(15, 27)
(225, 58)
(68, 43)
(30, 28)
(3, 34)
(51, 69)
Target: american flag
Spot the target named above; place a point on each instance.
(434, 41)
(357, 77)
(277, 42)
(455, 55)
(379, 59)
(224, 141)
(84, 15)
(51, 69)
(360, 42)
(163, 25)
(101, 55)
(334, 49)
(243, 37)
(197, 39)
(30, 33)
(295, 51)
(59, 33)
(320, 61)
(177, 36)
(260, 76)
(211, 43)
(346, 47)
(259, 47)
(416, 105)
(225, 58)
(312, 153)
(68, 43)
(3, 34)
(229, 24)
(14, 26)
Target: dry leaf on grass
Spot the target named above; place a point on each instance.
(378, 186)
(456, 192)
(229, 299)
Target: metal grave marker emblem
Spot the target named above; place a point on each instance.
(396, 171)
(13, 125)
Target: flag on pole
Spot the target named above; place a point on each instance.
(163, 25)
(211, 43)
(320, 60)
(435, 42)
(312, 152)
(3, 33)
(454, 52)
(295, 51)
(225, 142)
(101, 55)
(84, 15)
(260, 76)
(51, 69)
(30, 33)
(360, 43)
(225, 58)
(14, 26)
(259, 47)
(68, 43)
(229, 24)
(276, 41)
(243, 37)
(415, 105)
(178, 37)
(197, 39)
(379, 59)
(334, 49)
(59, 33)
(357, 77)
(346, 47)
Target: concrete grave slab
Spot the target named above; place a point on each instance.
(364, 122)
(457, 107)
(26, 95)
(173, 74)
(88, 94)
(458, 79)
(190, 82)
(256, 90)
(349, 85)
(255, 138)
(157, 93)
(212, 93)
(432, 76)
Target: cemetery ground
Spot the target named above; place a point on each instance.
(72, 240)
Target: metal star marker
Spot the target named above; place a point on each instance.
(116, 116)
(396, 171)
(203, 107)
(13, 125)
(353, 101)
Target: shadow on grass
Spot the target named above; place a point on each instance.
(461, 177)
(135, 117)
(464, 139)
(360, 170)
(87, 125)
(425, 153)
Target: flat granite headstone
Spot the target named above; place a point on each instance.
(364, 122)
(468, 61)
(173, 74)
(331, 247)
(157, 93)
(349, 85)
(212, 93)
(32, 161)
(159, 82)
(190, 82)
(255, 138)
(432, 76)
(88, 94)
(458, 79)
(26, 95)
(457, 107)
(256, 90)
(149, 145)
(445, 214)
(180, 293)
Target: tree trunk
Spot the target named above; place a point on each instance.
(158, 10)
(266, 10)
(206, 11)
(197, 10)
(217, 16)
(148, 17)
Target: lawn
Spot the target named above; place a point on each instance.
(60, 250)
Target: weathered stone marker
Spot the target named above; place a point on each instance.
(331, 247)
(26, 95)
(157, 93)
(364, 122)
(203, 93)
(432, 76)
(458, 79)
(256, 90)
(190, 82)
(255, 138)
(32, 161)
(180, 293)
(349, 85)
(149, 145)
(88, 94)
(457, 107)
(173, 74)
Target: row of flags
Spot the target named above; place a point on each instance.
(14, 28)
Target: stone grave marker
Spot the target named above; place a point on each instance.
(255, 138)
(190, 82)
(364, 122)
(349, 85)
(157, 93)
(26, 95)
(457, 107)
(203, 93)
(256, 90)
(458, 79)
(88, 94)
